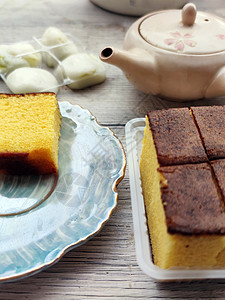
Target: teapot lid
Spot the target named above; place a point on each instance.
(184, 31)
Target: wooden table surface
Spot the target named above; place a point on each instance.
(105, 267)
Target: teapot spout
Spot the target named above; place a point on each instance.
(115, 57)
(138, 65)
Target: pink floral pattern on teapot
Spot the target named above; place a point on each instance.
(221, 36)
(179, 41)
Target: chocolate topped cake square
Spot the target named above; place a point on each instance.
(191, 201)
(210, 121)
(176, 137)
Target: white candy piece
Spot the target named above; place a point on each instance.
(33, 58)
(64, 46)
(9, 63)
(31, 80)
(53, 36)
(84, 69)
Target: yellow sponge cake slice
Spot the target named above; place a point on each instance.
(29, 133)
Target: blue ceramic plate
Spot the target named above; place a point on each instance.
(41, 218)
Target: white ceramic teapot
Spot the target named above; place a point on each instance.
(178, 54)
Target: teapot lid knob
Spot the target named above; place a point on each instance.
(189, 12)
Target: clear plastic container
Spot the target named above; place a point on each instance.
(47, 52)
(134, 131)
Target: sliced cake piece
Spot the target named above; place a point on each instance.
(29, 135)
(191, 201)
(185, 215)
(175, 136)
(210, 121)
(186, 224)
(183, 200)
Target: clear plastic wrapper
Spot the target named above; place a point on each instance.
(35, 54)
